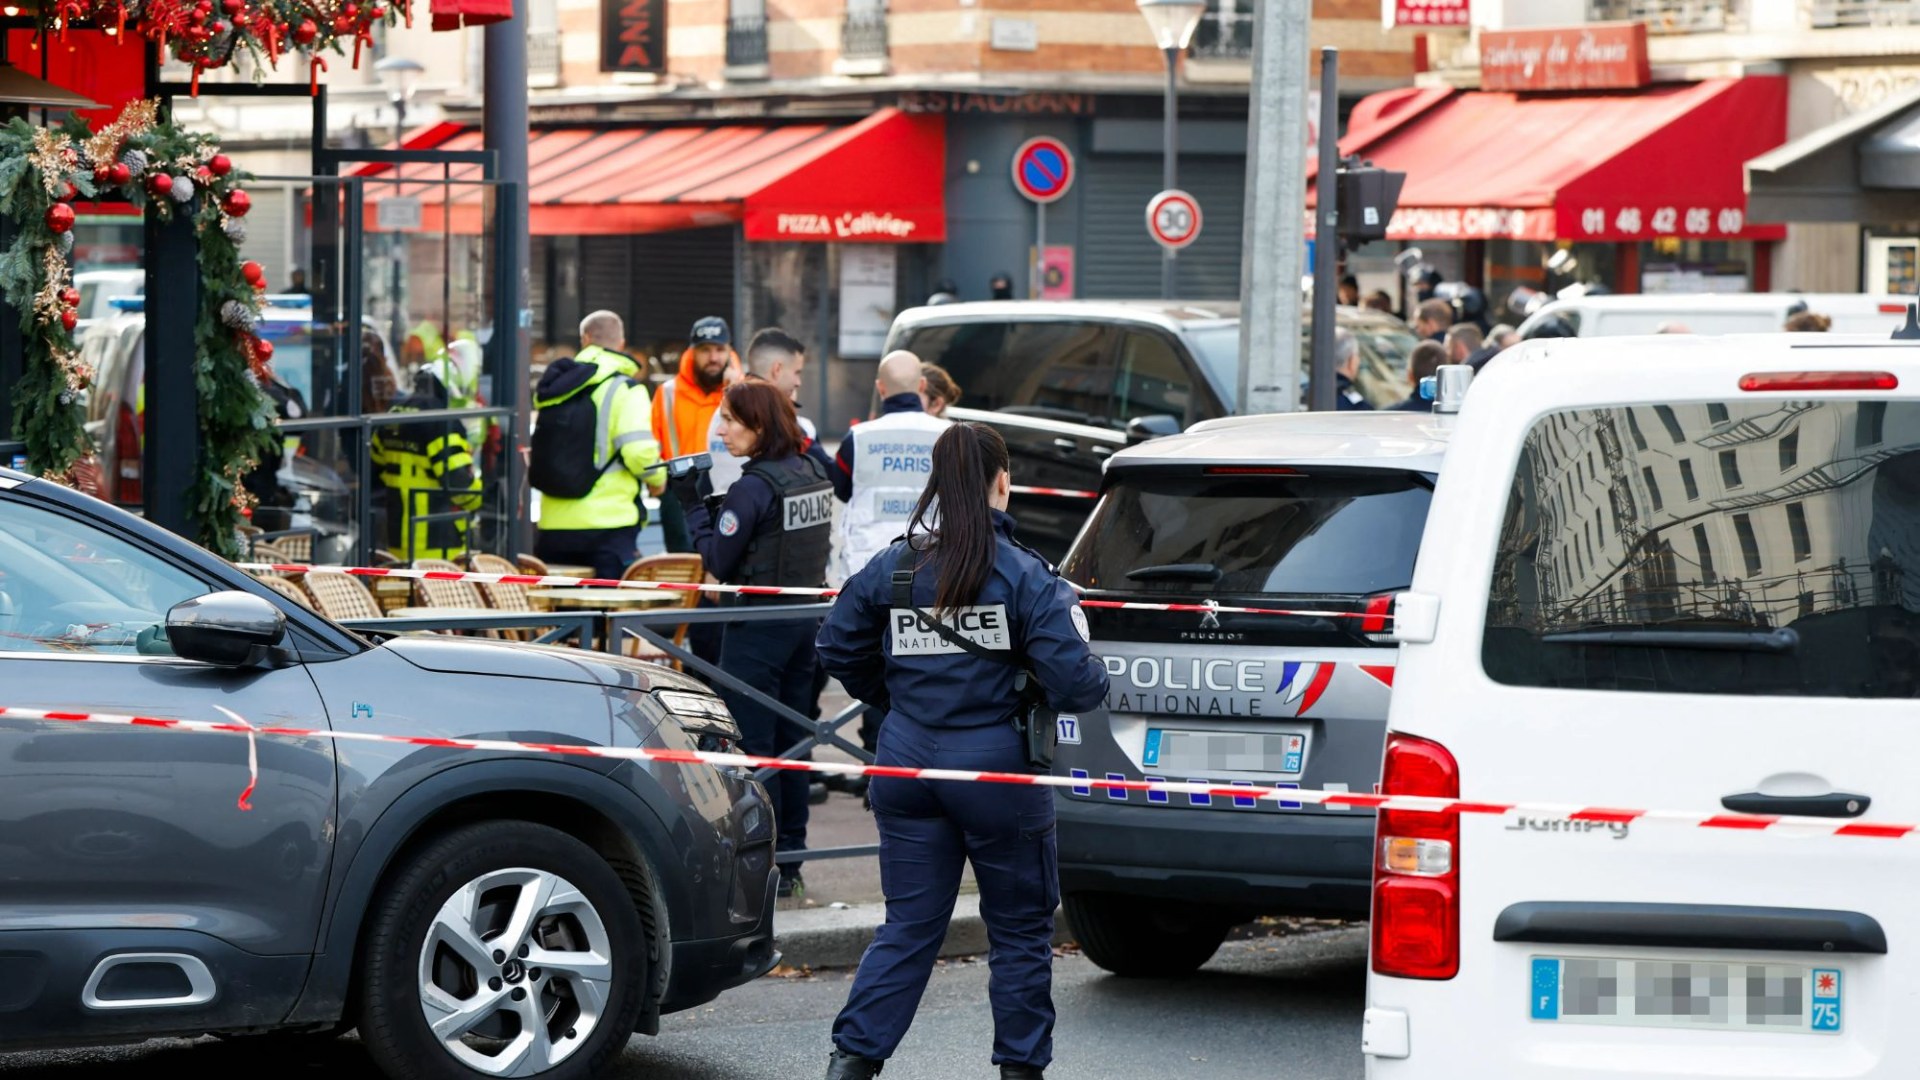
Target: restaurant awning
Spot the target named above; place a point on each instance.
(1864, 168)
(1665, 161)
(880, 180)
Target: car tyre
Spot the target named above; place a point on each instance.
(502, 948)
(1142, 938)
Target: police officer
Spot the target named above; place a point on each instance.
(948, 708)
(773, 527)
(428, 471)
(881, 466)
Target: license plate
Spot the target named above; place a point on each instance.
(1703, 994)
(1197, 753)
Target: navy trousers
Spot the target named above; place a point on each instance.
(778, 660)
(928, 830)
(608, 551)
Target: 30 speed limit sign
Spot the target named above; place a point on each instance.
(1173, 218)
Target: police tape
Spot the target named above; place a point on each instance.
(1379, 619)
(1240, 792)
(1058, 493)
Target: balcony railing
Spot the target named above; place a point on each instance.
(1828, 14)
(1673, 16)
(1224, 35)
(543, 57)
(863, 36)
(746, 41)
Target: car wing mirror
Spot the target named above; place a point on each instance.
(1142, 428)
(226, 629)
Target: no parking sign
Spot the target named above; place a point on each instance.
(1043, 169)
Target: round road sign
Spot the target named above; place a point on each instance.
(1043, 169)
(1173, 219)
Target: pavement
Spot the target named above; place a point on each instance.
(1286, 1007)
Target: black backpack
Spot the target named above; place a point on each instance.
(565, 461)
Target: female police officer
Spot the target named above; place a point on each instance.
(948, 708)
(773, 528)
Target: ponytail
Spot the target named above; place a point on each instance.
(953, 512)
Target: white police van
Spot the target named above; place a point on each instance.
(1660, 573)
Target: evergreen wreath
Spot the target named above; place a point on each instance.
(166, 171)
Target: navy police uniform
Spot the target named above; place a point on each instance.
(947, 709)
(774, 527)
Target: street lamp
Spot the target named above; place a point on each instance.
(398, 75)
(1173, 23)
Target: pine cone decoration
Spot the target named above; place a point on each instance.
(182, 189)
(237, 315)
(235, 229)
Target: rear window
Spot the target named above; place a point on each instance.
(1177, 534)
(1740, 547)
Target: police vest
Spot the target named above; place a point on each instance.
(790, 542)
(892, 460)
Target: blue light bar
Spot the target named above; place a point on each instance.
(298, 300)
(127, 303)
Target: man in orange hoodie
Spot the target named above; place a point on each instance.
(684, 408)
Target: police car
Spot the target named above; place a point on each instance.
(1317, 513)
(1674, 574)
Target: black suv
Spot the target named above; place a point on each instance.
(1070, 382)
(473, 913)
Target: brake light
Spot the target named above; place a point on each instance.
(1820, 380)
(1378, 609)
(1893, 309)
(1250, 470)
(127, 487)
(1416, 874)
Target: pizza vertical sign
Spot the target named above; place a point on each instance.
(633, 36)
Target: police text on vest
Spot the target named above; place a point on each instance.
(809, 511)
(985, 625)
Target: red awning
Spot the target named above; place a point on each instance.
(1666, 161)
(454, 14)
(881, 180)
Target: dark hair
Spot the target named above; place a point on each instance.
(773, 337)
(1435, 311)
(1379, 301)
(769, 414)
(1809, 322)
(966, 459)
(1427, 358)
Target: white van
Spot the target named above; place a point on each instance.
(1672, 573)
(1718, 313)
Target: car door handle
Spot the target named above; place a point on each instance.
(1832, 804)
(1066, 444)
(1102, 451)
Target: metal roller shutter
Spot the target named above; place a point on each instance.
(606, 269)
(270, 233)
(537, 252)
(1118, 260)
(679, 277)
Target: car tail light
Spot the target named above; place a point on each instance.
(1893, 309)
(1379, 612)
(1820, 380)
(1416, 873)
(127, 487)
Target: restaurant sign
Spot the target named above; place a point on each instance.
(1598, 56)
(633, 36)
(1396, 13)
(848, 226)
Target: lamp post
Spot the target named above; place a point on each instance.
(1173, 23)
(398, 75)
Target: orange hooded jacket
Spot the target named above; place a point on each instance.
(683, 409)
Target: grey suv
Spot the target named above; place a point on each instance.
(1311, 512)
(474, 914)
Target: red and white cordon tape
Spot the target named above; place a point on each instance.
(555, 580)
(1058, 493)
(1342, 799)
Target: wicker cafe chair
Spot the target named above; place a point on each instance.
(285, 588)
(340, 597)
(532, 564)
(268, 551)
(508, 598)
(449, 594)
(683, 568)
(298, 546)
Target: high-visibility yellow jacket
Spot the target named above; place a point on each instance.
(427, 469)
(625, 413)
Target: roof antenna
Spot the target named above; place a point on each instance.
(1911, 331)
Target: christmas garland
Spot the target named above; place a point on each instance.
(208, 36)
(166, 171)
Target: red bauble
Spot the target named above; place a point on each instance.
(305, 32)
(256, 276)
(69, 318)
(67, 191)
(342, 24)
(60, 217)
(161, 183)
(238, 203)
(203, 174)
(102, 175)
(263, 349)
(233, 7)
(70, 296)
(119, 174)
(221, 164)
(378, 13)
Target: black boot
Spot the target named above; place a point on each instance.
(1010, 1071)
(844, 1066)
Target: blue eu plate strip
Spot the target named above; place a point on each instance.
(1151, 759)
(1546, 988)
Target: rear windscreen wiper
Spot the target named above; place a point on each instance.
(1179, 571)
(1774, 641)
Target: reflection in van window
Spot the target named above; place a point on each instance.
(1829, 550)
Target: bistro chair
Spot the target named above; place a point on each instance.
(447, 594)
(504, 597)
(285, 588)
(340, 597)
(684, 568)
(532, 564)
